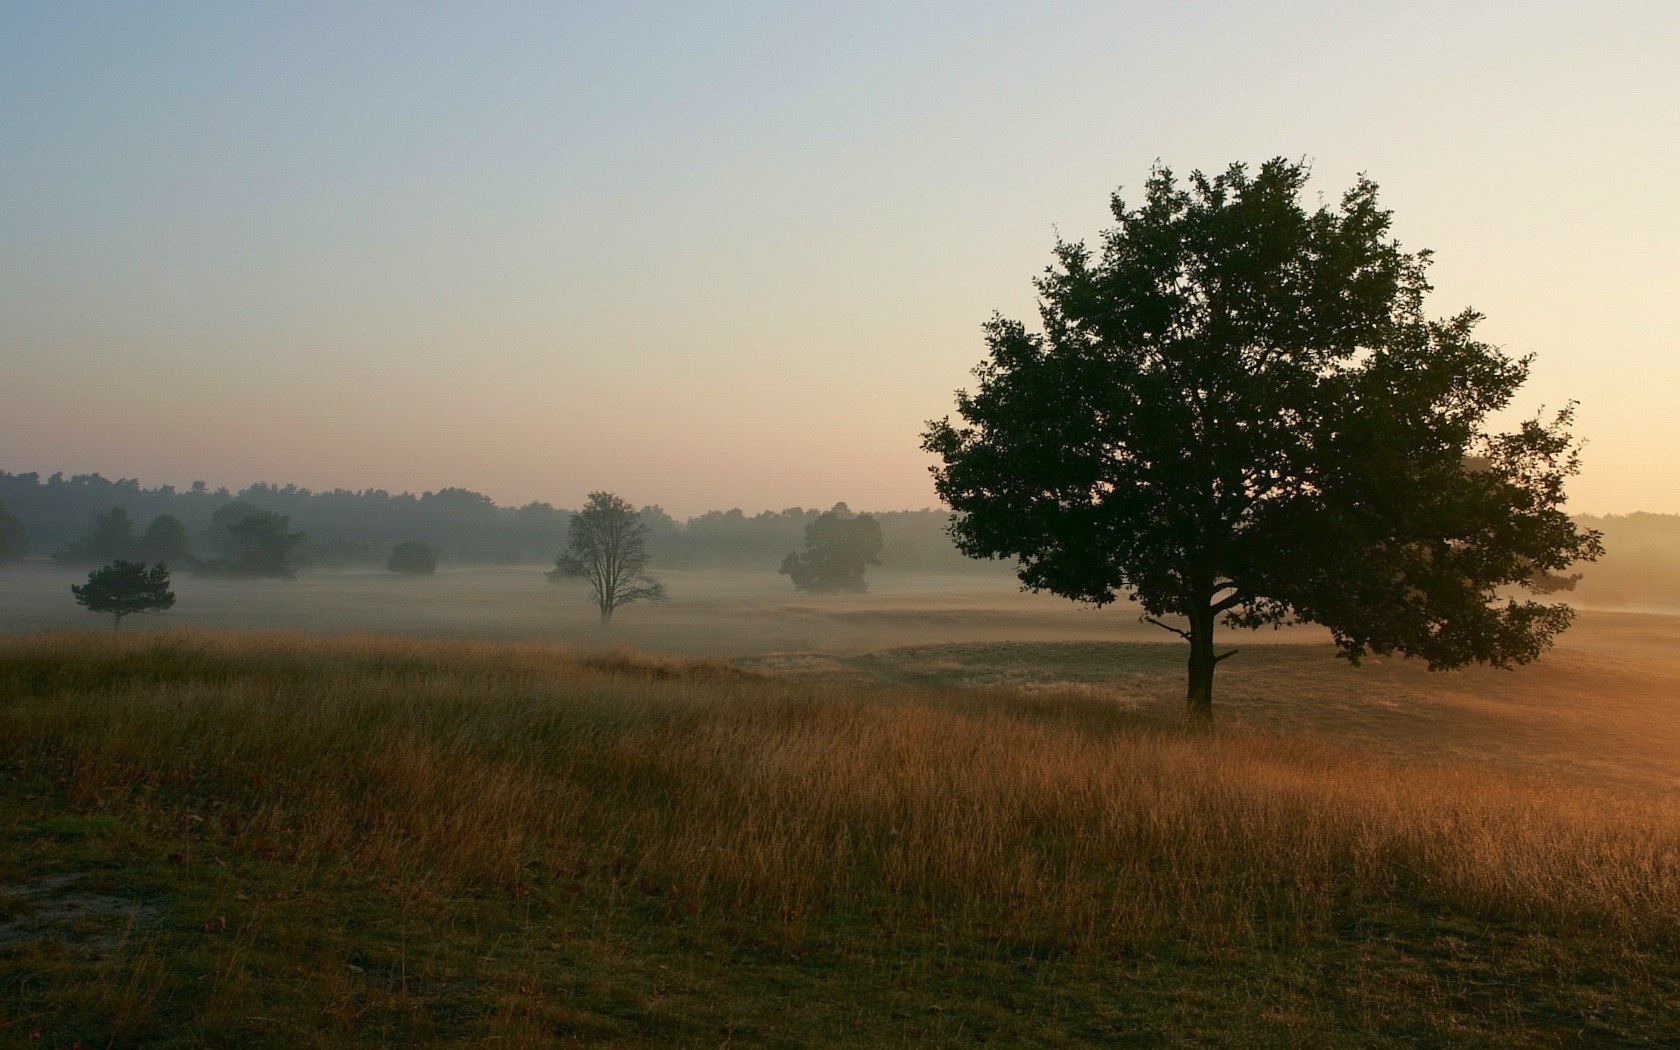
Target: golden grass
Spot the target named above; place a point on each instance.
(617, 792)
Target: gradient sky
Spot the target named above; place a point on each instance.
(736, 254)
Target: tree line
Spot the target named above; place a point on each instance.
(606, 546)
(369, 530)
(74, 519)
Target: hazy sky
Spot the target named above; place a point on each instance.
(714, 255)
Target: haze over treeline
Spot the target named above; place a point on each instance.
(346, 529)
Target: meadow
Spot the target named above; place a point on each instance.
(711, 612)
(936, 814)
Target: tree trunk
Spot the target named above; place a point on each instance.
(1199, 701)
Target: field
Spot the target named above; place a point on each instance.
(710, 613)
(940, 813)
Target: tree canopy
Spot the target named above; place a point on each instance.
(123, 588)
(607, 546)
(1236, 410)
(839, 547)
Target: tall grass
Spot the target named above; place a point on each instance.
(1054, 823)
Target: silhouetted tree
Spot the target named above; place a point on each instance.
(14, 542)
(112, 539)
(165, 539)
(1238, 411)
(413, 558)
(123, 588)
(261, 545)
(607, 545)
(838, 548)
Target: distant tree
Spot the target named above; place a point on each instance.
(1238, 412)
(838, 548)
(664, 534)
(413, 558)
(112, 539)
(535, 527)
(607, 545)
(125, 587)
(261, 545)
(14, 542)
(165, 539)
(217, 536)
(566, 567)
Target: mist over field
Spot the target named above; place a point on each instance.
(492, 560)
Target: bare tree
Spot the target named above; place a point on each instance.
(607, 546)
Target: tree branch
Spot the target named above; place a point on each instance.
(1226, 656)
(1230, 601)
(1167, 627)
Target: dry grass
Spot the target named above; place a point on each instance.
(394, 841)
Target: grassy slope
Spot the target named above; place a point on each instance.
(247, 840)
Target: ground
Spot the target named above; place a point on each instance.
(940, 813)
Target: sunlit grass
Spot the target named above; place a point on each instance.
(407, 841)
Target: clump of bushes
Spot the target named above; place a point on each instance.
(412, 558)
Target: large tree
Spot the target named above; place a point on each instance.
(1236, 410)
(607, 546)
(839, 548)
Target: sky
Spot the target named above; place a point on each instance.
(737, 254)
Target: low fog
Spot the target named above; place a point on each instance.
(493, 572)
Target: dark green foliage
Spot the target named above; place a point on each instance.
(838, 548)
(1237, 410)
(413, 558)
(566, 567)
(165, 539)
(14, 542)
(261, 545)
(123, 588)
(607, 545)
(112, 539)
